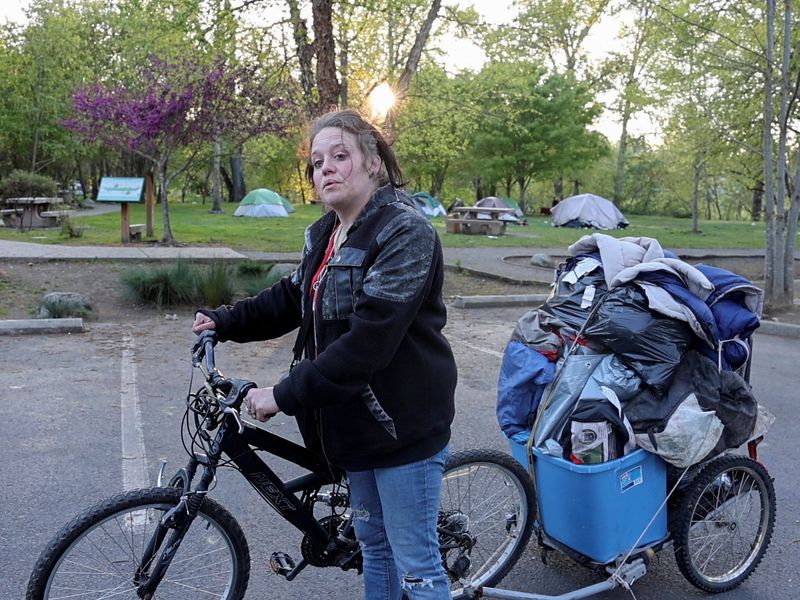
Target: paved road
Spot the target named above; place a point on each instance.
(62, 423)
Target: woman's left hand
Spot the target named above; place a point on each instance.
(260, 403)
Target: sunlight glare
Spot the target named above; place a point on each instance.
(381, 100)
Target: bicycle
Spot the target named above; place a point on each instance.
(176, 541)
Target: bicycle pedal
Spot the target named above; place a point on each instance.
(281, 563)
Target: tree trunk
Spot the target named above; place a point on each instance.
(619, 177)
(237, 177)
(756, 205)
(790, 216)
(305, 55)
(558, 189)
(327, 84)
(437, 184)
(216, 184)
(344, 71)
(697, 168)
(523, 189)
(412, 62)
(94, 178)
(770, 255)
(414, 55)
(167, 238)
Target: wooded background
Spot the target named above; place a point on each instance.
(212, 97)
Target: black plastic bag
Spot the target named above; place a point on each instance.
(648, 342)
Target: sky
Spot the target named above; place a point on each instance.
(463, 54)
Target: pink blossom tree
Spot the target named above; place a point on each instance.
(174, 110)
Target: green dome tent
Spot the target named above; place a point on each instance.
(262, 202)
(430, 206)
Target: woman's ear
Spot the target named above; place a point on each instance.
(375, 166)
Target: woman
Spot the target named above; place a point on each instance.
(375, 392)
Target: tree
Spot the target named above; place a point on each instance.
(435, 128)
(397, 31)
(179, 106)
(535, 126)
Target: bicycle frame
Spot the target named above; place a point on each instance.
(238, 440)
(277, 493)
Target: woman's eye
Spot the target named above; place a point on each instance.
(317, 164)
(340, 156)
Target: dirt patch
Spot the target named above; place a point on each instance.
(22, 285)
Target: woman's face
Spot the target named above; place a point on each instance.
(341, 171)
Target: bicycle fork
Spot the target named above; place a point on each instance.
(178, 519)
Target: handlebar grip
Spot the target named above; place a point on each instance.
(204, 348)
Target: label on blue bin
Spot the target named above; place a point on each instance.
(630, 479)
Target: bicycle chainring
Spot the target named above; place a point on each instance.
(340, 552)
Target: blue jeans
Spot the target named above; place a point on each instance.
(396, 510)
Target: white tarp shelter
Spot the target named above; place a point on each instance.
(588, 210)
(262, 202)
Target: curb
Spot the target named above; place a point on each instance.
(24, 326)
(787, 330)
(498, 301)
(782, 329)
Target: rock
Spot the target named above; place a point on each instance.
(279, 270)
(543, 260)
(57, 305)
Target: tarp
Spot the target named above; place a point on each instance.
(430, 206)
(262, 202)
(588, 210)
(497, 202)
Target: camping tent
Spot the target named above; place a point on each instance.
(588, 210)
(430, 206)
(504, 202)
(262, 202)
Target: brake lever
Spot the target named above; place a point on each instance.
(236, 417)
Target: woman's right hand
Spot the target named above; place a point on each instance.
(201, 323)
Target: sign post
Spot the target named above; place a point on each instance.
(124, 190)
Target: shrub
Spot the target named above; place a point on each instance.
(163, 286)
(69, 229)
(250, 266)
(23, 184)
(253, 284)
(215, 285)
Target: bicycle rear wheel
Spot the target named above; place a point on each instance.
(724, 523)
(98, 554)
(486, 517)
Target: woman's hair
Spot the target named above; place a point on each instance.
(371, 141)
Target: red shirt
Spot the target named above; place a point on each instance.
(329, 252)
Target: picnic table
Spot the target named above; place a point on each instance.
(33, 213)
(484, 220)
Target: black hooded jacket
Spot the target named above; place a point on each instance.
(377, 386)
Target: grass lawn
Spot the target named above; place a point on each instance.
(192, 224)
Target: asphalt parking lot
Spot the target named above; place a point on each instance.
(64, 432)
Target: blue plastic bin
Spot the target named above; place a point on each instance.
(600, 510)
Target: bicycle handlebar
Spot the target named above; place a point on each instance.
(234, 389)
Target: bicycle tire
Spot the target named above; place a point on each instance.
(494, 497)
(106, 540)
(724, 523)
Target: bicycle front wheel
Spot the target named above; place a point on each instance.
(99, 553)
(486, 517)
(724, 523)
